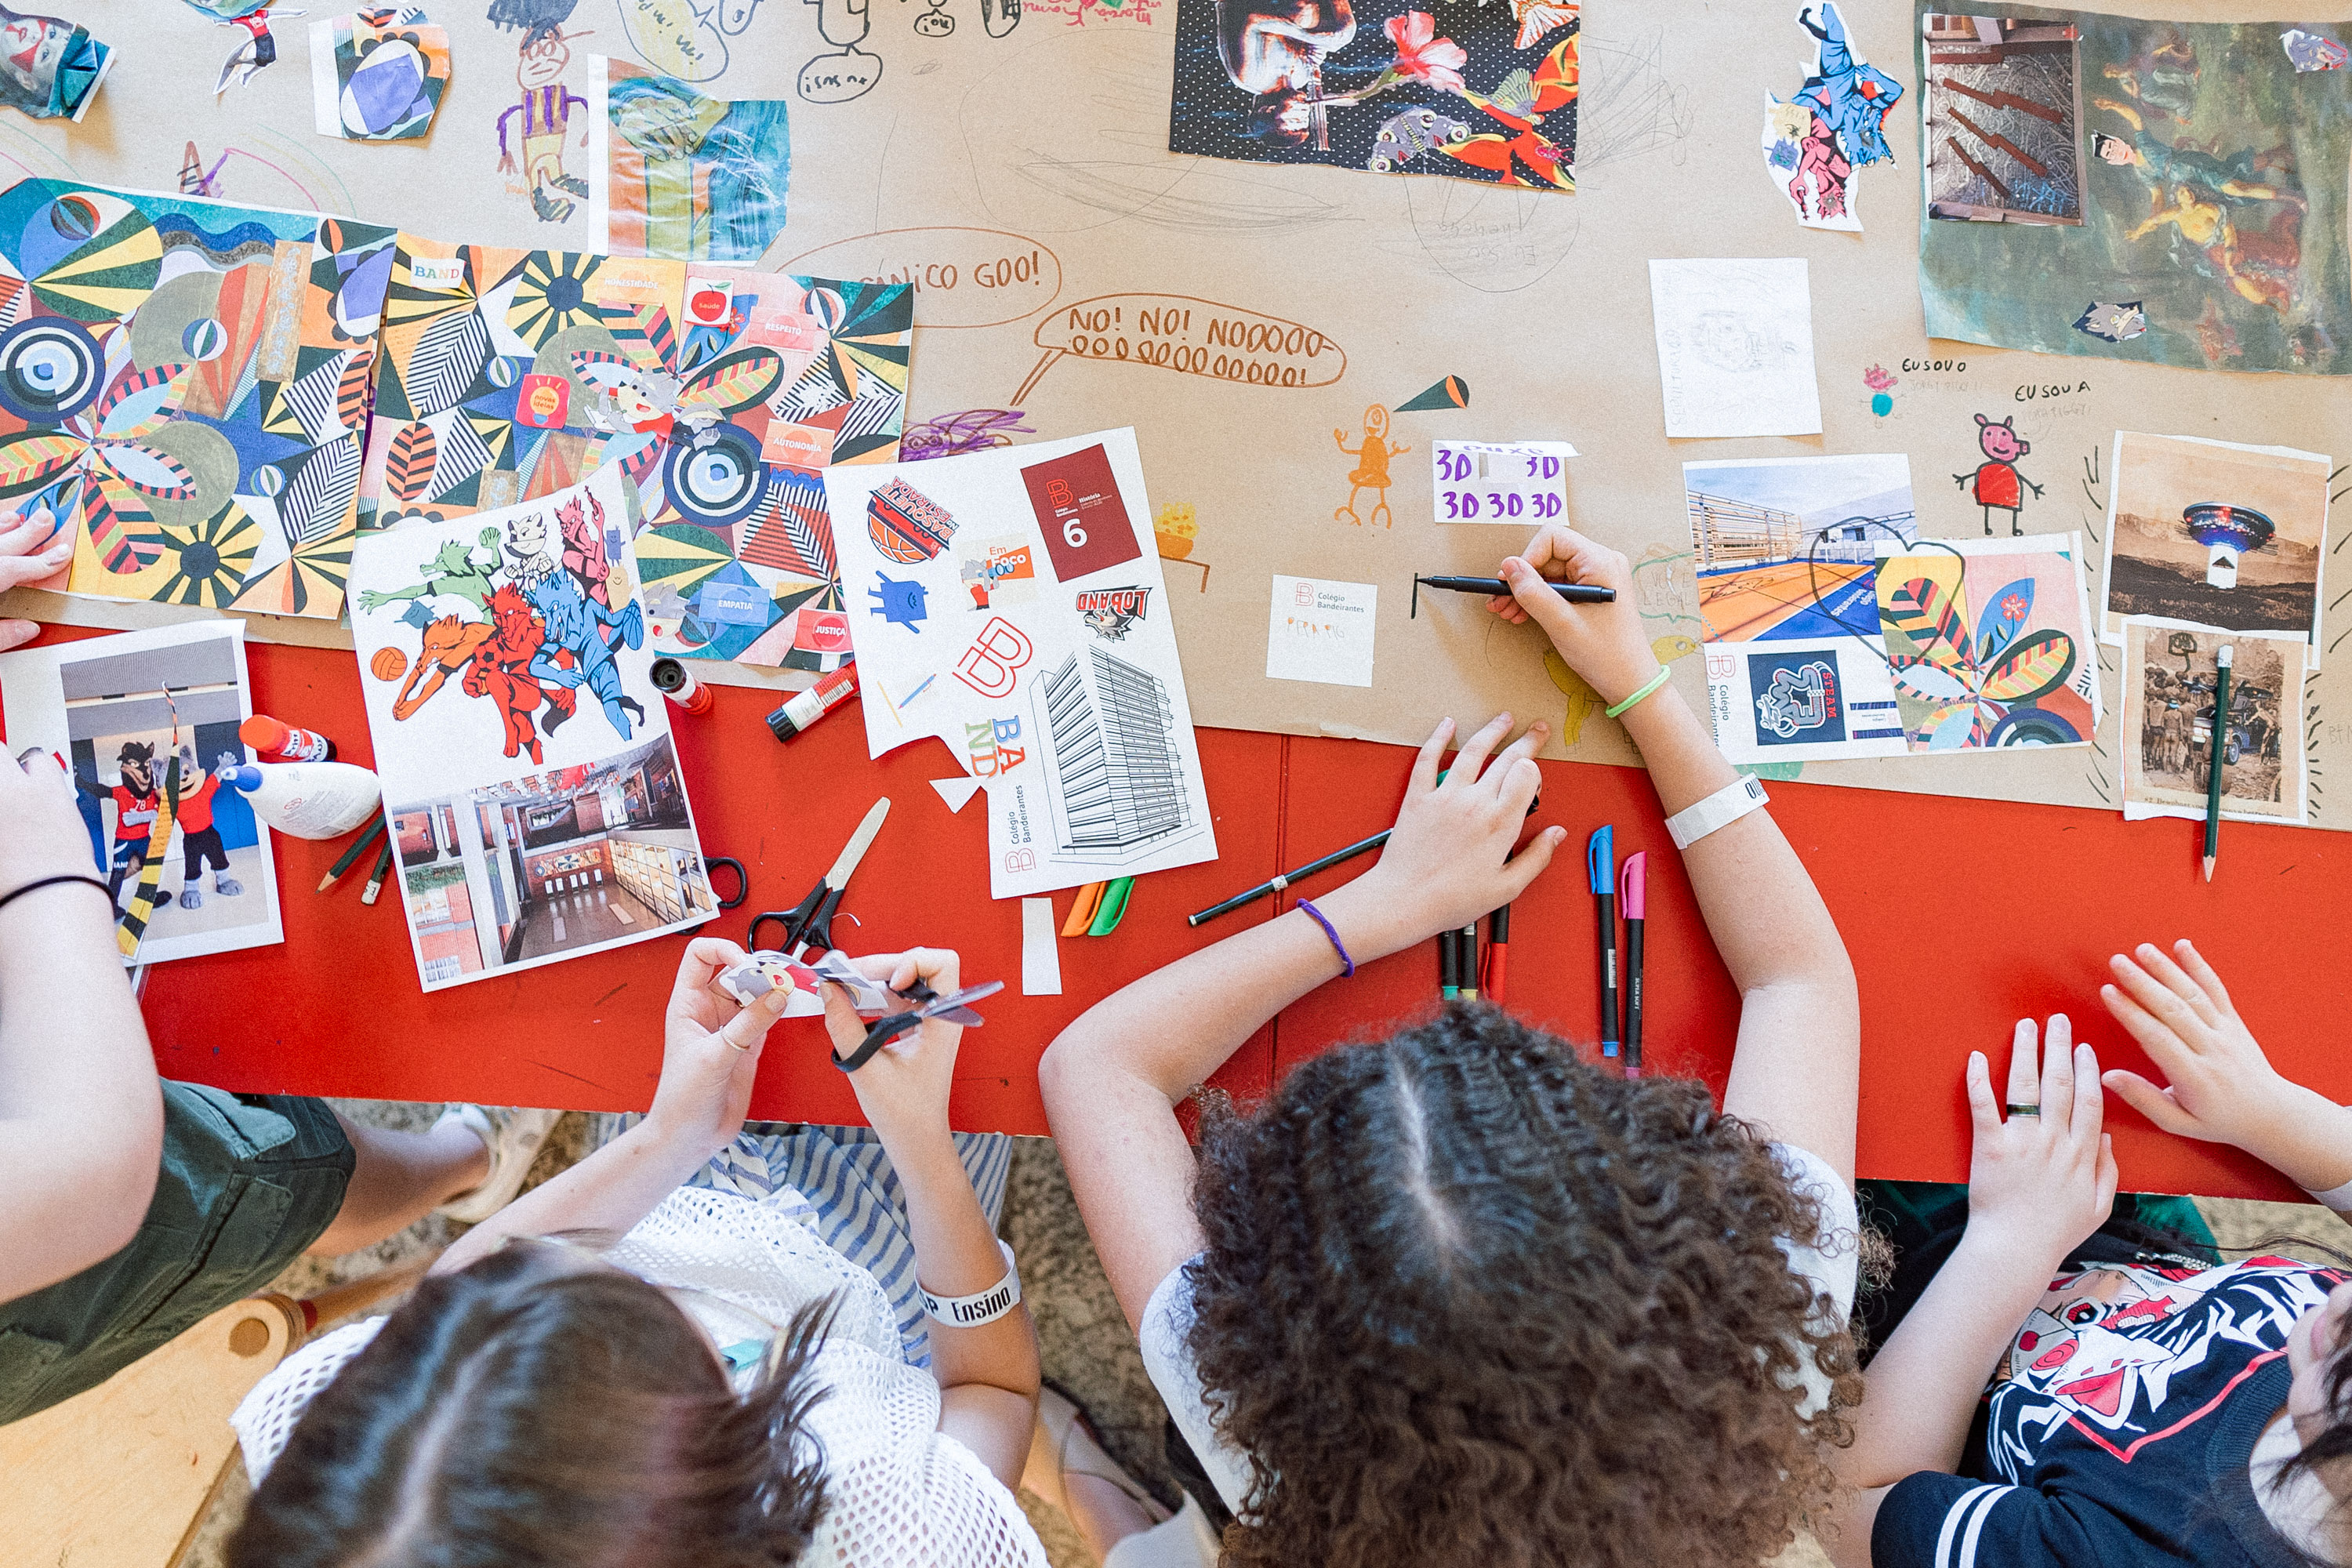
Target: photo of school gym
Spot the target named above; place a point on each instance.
(561, 862)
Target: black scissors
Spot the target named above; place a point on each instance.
(742, 882)
(954, 1007)
(810, 923)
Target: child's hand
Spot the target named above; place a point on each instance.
(1603, 643)
(41, 831)
(30, 550)
(710, 1049)
(903, 1089)
(1448, 860)
(2222, 1088)
(2040, 1180)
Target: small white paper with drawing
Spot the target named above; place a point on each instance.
(1736, 347)
(534, 796)
(1010, 603)
(1500, 481)
(1320, 631)
(189, 863)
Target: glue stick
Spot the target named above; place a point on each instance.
(309, 799)
(279, 742)
(676, 683)
(814, 703)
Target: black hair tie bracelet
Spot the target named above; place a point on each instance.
(52, 881)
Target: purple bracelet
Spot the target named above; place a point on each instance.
(1348, 969)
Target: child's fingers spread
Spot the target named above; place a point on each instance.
(1982, 1111)
(1425, 764)
(2058, 1067)
(2171, 976)
(2156, 1104)
(2089, 1104)
(2154, 996)
(2155, 1036)
(2193, 962)
(1471, 758)
(2024, 1075)
(1531, 862)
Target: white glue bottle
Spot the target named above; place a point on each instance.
(309, 799)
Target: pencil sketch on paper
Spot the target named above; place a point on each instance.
(1736, 347)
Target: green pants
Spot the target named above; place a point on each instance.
(247, 1185)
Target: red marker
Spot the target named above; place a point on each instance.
(1498, 952)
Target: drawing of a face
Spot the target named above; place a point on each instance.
(1376, 422)
(32, 45)
(544, 57)
(138, 763)
(2114, 150)
(2077, 1349)
(527, 544)
(2001, 442)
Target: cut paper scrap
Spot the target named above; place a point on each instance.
(2313, 51)
(378, 75)
(528, 775)
(1736, 347)
(1319, 630)
(184, 383)
(1066, 698)
(52, 67)
(1832, 125)
(1452, 392)
(2166, 751)
(1487, 93)
(2179, 164)
(1040, 951)
(674, 172)
(956, 792)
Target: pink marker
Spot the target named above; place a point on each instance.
(1633, 899)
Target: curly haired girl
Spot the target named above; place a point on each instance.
(1456, 1295)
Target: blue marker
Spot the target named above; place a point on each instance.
(1601, 860)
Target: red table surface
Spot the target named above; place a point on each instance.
(1962, 917)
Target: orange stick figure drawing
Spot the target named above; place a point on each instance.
(1371, 468)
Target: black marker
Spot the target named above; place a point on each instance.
(1574, 593)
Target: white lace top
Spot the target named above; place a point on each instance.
(899, 1493)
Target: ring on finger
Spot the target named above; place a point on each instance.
(2014, 1110)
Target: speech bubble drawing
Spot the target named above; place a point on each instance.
(837, 79)
(962, 276)
(1190, 336)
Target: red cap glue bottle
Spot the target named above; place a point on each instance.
(309, 799)
(279, 742)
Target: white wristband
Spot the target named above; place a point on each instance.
(1725, 806)
(971, 1311)
(2336, 1198)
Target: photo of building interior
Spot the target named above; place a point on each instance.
(551, 864)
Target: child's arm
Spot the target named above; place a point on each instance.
(1797, 1069)
(989, 1373)
(2223, 1089)
(1113, 1077)
(2038, 1184)
(81, 1117)
(710, 1055)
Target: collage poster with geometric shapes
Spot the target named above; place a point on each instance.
(185, 384)
(720, 394)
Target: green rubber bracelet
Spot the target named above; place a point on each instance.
(1648, 686)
